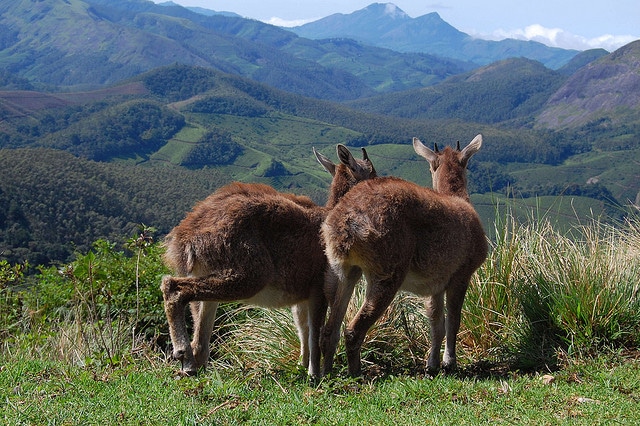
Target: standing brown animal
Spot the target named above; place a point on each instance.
(404, 237)
(250, 243)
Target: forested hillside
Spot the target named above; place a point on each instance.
(52, 203)
(147, 156)
(505, 90)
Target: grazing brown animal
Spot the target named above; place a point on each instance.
(404, 237)
(250, 243)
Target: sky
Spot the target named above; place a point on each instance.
(570, 24)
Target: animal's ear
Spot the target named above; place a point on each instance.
(346, 157)
(326, 163)
(424, 152)
(472, 148)
(372, 170)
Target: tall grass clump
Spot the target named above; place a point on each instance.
(491, 308)
(578, 292)
(253, 338)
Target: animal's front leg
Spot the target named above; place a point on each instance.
(175, 306)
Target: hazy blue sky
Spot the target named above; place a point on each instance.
(579, 24)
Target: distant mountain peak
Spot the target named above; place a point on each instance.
(383, 10)
(392, 10)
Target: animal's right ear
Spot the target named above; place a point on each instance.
(424, 152)
(326, 163)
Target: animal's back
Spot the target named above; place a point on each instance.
(390, 221)
(242, 221)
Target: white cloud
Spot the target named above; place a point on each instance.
(394, 11)
(279, 22)
(557, 37)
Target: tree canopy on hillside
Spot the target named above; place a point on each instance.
(52, 203)
(133, 127)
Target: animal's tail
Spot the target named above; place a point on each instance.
(347, 243)
(179, 255)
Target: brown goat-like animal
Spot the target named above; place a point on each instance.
(404, 237)
(250, 243)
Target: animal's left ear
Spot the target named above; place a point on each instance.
(472, 148)
(425, 152)
(326, 163)
(347, 158)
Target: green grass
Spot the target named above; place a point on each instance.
(603, 391)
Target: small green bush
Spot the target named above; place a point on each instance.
(11, 306)
(98, 307)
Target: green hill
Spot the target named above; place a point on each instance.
(505, 90)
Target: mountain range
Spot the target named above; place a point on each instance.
(91, 43)
(117, 112)
(386, 25)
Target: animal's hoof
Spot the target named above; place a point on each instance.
(431, 372)
(449, 368)
(188, 373)
(178, 355)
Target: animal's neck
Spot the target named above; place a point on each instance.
(450, 182)
(340, 185)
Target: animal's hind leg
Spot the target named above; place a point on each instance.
(435, 312)
(174, 306)
(380, 294)
(178, 291)
(204, 316)
(301, 319)
(226, 286)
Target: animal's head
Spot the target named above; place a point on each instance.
(448, 167)
(348, 173)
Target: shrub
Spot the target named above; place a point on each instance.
(11, 306)
(101, 305)
(578, 293)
